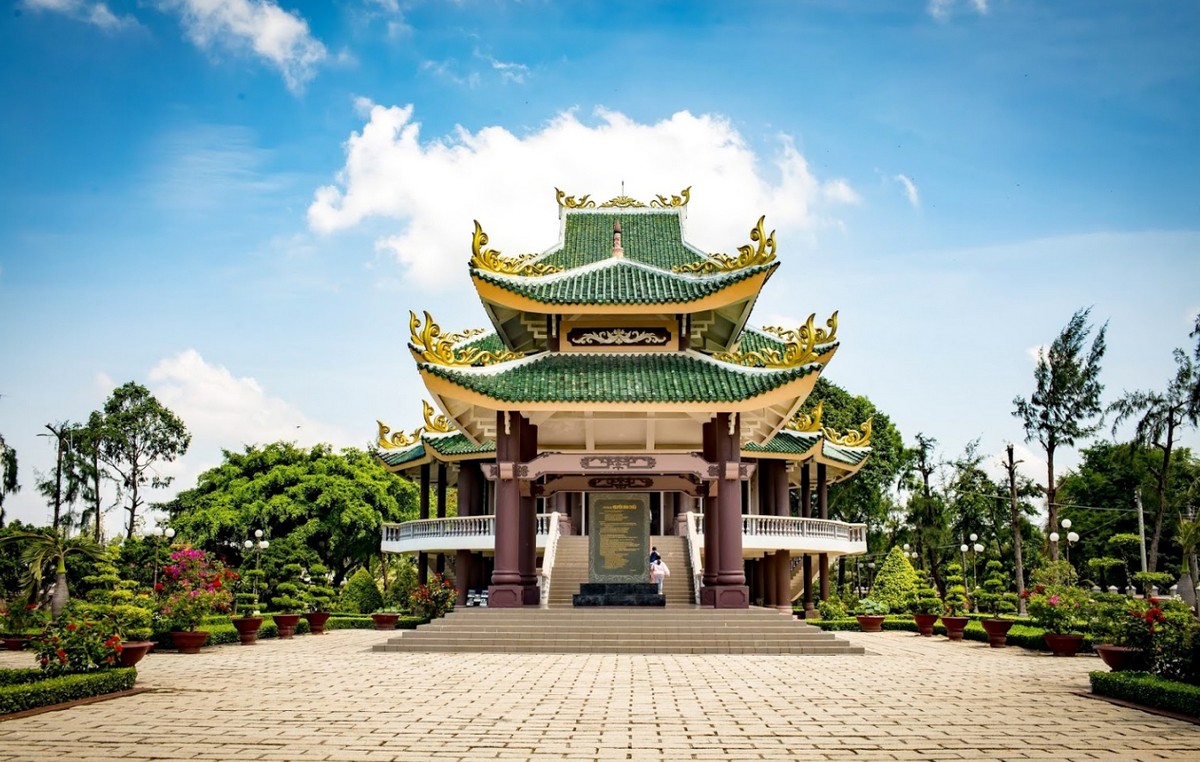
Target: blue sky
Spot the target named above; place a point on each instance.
(237, 202)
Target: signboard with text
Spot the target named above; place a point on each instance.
(619, 537)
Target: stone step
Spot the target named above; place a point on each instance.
(591, 648)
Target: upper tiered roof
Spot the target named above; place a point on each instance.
(622, 336)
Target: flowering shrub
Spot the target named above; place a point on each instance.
(18, 616)
(435, 599)
(193, 587)
(1057, 609)
(77, 645)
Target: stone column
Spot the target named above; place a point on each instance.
(823, 507)
(422, 556)
(441, 510)
(462, 575)
(783, 581)
(779, 485)
(731, 592)
(527, 450)
(506, 590)
(712, 530)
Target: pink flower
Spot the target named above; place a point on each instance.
(1052, 600)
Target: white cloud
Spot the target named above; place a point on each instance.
(97, 14)
(910, 189)
(942, 9)
(509, 72)
(507, 182)
(223, 410)
(279, 37)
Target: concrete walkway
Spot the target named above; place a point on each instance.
(330, 698)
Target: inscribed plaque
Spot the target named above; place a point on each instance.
(618, 537)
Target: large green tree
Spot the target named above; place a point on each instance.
(1160, 417)
(1066, 401)
(8, 474)
(332, 504)
(867, 496)
(138, 432)
(927, 516)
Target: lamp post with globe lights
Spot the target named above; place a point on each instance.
(258, 545)
(1071, 537)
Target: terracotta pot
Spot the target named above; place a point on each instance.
(954, 626)
(925, 623)
(189, 641)
(1062, 645)
(870, 622)
(15, 642)
(286, 624)
(132, 652)
(316, 621)
(1122, 658)
(247, 627)
(385, 621)
(997, 631)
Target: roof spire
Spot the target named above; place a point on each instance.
(618, 252)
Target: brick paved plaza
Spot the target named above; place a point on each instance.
(331, 698)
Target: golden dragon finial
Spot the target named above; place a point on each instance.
(489, 259)
(748, 255)
(430, 345)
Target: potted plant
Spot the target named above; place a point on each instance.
(1059, 610)
(19, 620)
(289, 600)
(1123, 632)
(385, 620)
(193, 588)
(925, 607)
(1058, 607)
(956, 603)
(129, 611)
(433, 600)
(246, 619)
(995, 599)
(320, 598)
(870, 614)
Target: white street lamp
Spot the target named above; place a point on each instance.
(1054, 537)
(1066, 523)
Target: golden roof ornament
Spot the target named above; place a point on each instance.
(397, 440)
(799, 349)
(822, 336)
(662, 202)
(749, 255)
(436, 424)
(852, 438)
(623, 202)
(491, 260)
(430, 345)
(570, 202)
(808, 423)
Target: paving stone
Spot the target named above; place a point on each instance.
(333, 698)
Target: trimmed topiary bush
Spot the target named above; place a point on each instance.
(897, 583)
(361, 594)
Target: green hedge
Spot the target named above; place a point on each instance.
(1021, 635)
(20, 694)
(1148, 690)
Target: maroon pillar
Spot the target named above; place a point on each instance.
(712, 530)
(441, 510)
(731, 592)
(505, 590)
(462, 575)
(527, 450)
(823, 507)
(422, 556)
(779, 485)
(783, 581)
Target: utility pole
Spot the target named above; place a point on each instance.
(1137, 496)
(1018, 565)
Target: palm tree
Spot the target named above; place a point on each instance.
(42, 548)
(1160, 416)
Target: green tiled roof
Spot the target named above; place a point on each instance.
(488, 342)
(457, 444)
(446, 445)
(655, 238)
(753, 340)
(620, 282)
(787, 442)
(850, 455)
(635, 378)
(396, 458)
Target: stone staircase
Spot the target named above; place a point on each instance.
(625, 630)
(571, 570)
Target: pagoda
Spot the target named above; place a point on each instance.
(620, 392)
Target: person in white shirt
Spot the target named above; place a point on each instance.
(658, 573)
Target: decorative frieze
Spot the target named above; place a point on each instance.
(618, 337)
